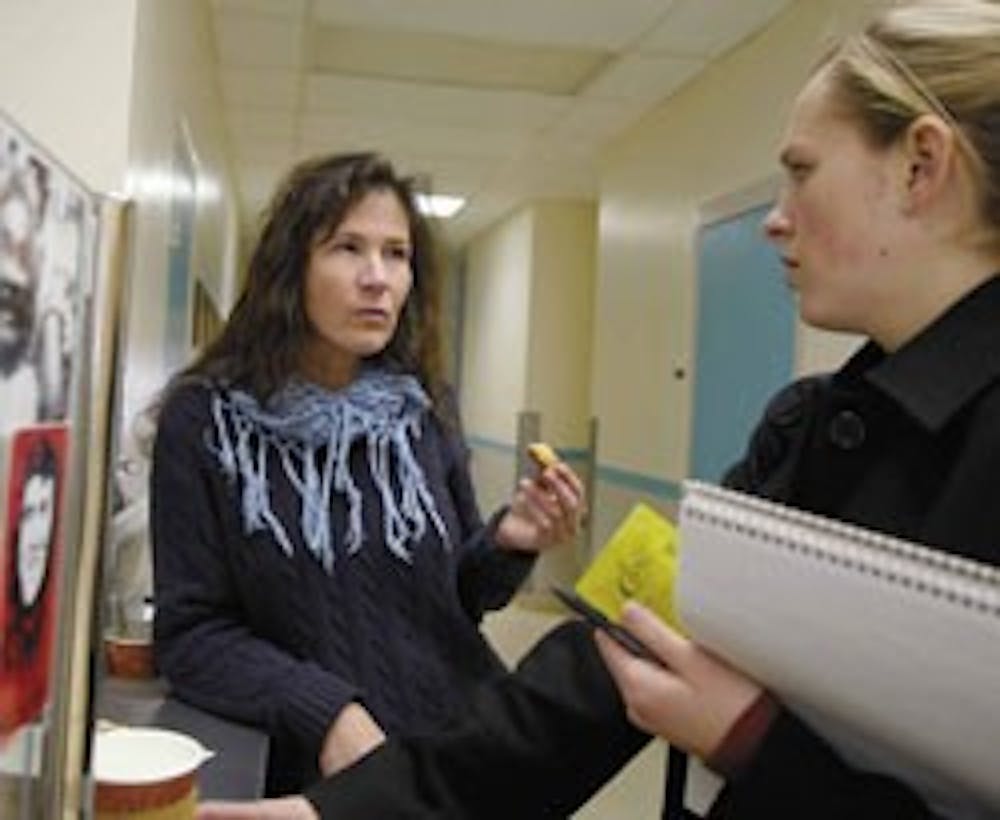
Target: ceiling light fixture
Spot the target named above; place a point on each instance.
(440, 205)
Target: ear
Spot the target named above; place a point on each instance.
(929, 149)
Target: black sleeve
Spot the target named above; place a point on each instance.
(796, 774)
(535, 744)
(202, 642)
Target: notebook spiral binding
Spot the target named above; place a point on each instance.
(923, 570)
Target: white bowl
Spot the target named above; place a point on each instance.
(139, 768)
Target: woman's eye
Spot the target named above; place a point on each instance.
(799, 170)
(400, 254)
(347, 246)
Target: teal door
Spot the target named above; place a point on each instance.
(745, 338)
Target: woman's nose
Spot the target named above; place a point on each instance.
(373, 271)
(775, 225)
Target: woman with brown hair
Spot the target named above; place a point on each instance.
(320, 564)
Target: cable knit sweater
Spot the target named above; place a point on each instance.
(248, 632)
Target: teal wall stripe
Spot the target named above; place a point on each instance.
(648, 485)
(484, 443)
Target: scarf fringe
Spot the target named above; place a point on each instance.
(381, 409)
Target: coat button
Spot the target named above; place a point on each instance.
(847, 430)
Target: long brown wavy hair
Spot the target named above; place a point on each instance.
(261, 343)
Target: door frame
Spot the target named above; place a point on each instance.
(733, 203)
(714, 210)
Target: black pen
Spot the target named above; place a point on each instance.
(618, 632)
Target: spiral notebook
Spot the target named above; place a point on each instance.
(888, 649)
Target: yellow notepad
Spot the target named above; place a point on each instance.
(639, 562)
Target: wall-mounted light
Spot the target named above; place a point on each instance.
(440, 205)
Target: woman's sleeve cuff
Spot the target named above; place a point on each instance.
(744, 737)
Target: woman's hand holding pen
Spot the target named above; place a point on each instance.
(693, 702)
(546, 510)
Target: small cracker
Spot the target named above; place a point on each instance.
(543, 455)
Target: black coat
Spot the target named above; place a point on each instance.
(908, 444)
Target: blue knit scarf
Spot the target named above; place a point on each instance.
(382, 409)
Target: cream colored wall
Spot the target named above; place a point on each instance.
(526, 340)
(65, 71)
(174, 87)
(562, 300)
(716, 135)
(559, 340)
(494, 350)
(452, 298)
(497, 294)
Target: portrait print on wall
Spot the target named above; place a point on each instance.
(30, 558)
(47, 228)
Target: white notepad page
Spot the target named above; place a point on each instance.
(888, 649)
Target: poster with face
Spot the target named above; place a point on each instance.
(30, 559)
(47, 227)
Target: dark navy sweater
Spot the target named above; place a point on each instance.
(245, 631)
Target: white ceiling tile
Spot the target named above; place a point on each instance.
(273, 152)
(258, 180)
(605, 24)
(257, 183)
(260, 87)
(261, 123)
(593, 121)
(444, 179)
(351, 141)
(706, 28)
(498, 143)
(446, 174)
(543, 174)
(260, 41)
(422, 136)
(402, 103)
(479, 213)
(274, 8)
(422, 57)
(642, 78)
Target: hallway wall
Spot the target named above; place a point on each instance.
(494, 350)
(717, 135)
(103, 86)
(109, 87)
(175, 96)
(559, 344)
(561, 312)
(526, 347)
(65, 77)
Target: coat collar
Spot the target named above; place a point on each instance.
(934, 375)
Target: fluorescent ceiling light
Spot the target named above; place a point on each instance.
(440, 205)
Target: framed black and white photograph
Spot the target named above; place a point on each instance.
(47, 231)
